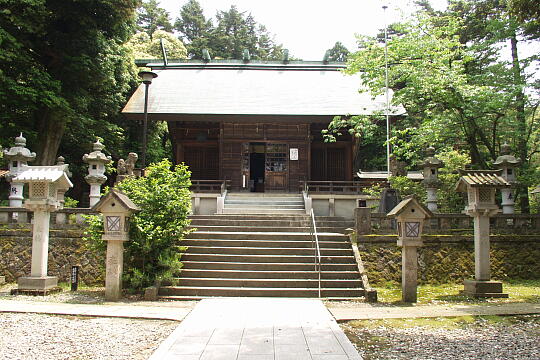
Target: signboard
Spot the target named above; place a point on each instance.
(293, 153)
(74, 278)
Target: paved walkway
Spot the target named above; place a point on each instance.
(257, 328)
(367, 311)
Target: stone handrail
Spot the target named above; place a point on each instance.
(14, 215)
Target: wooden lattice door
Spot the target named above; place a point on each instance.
(276, 167)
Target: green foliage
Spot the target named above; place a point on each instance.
(234, 31)
(152, 18)
(153, 252)
(407, 187)
(70, 203)
(149, 47)
(338, 52)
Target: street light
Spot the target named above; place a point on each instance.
(386, 92)
(147, 77)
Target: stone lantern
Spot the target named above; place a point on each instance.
(17, 156)
(96, 161)
(116, 209)
(431, 181)
(480, 186)
(507, 163)
(45, 183)
(410, 214)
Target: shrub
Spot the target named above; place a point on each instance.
(153, 251)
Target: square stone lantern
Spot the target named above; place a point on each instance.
(410, 214)
(116, 209)
(480, 186)
(45, 184)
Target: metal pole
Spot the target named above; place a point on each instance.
(386, 91)
(145, 126)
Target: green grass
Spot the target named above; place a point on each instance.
(518, 291)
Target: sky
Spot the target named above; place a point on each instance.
(309, 27)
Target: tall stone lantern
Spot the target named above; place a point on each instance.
(507, 163)
(480, 186)
(45, 183)
(116, 209)
(17, 156)
(410, 214)
(96, 161)
(431, 180)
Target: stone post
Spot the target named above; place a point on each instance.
(431, 178)
(362, 216)
(116, 208)
(45, 183)
(96, 161)
(17, 157)
(410, 214)
(480, 186)
(507, 163)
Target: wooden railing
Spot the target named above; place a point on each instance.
(332, 187)
(209, 186)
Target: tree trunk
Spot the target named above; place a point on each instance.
(521, 123)
(51, 128)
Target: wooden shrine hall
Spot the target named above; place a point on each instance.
(256, 124)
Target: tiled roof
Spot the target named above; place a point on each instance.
(481, 178)
(411, 200)
(54, 173)
(383, 175)
(255, 89)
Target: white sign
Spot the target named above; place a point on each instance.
(294, 153)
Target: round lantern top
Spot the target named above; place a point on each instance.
(506, 159)
(19, 152)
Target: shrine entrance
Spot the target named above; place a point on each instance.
(265, 166)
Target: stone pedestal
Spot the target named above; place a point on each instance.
(431, 199)
(507, 201)
(114, 267)
(409, 273)
(16, 195)
(362, 218)
(484, 289)
(95, 193)
(38, 282)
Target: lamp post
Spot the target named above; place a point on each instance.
(147, 77)
(386, 92)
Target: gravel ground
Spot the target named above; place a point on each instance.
(46, 337)
(515, 338)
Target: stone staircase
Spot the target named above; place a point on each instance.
(266, 255)
(264, 203)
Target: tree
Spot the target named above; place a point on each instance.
(146, 47)
(195, 28)
(63, 64)
(338, 52)
(459, 94)
(153, 252)
(151, 18)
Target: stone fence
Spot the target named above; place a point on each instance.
(15, 215)
(442, 223)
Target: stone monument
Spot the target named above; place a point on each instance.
(507, 163)
(45, 183)
(480, 186)
(96, 161)
(410, 214)
(125, 168)
(431, 180)
(116, 208)
(17, 157)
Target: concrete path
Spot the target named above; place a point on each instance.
(363, 311)
(154, 312)
(257, 329)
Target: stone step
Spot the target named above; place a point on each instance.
(266, 217)
(214, 250)
(251, 229)
(239, 235)
(302, 259)
(265, 274)
(266, 243)
(262, 292)
(263, 195)
(268, 283)
(252, 211)
(264, 201)
(258, 266)
(268, 222)
(263, 206)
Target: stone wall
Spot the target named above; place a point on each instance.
(445, 258)
(66, 248)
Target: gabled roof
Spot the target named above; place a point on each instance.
(115, 194)
(480, 178)
(236, 88)
(411, 200)
(383, 175)
(54, 174)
